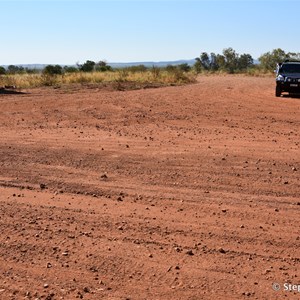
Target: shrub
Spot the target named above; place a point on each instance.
(2, 71)
(88, 66)
(155, 72)
(11, 69)
(70, 69)
(102, 66)
(53, 70)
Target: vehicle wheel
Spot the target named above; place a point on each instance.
(278, 91)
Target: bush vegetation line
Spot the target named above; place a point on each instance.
(229, 62)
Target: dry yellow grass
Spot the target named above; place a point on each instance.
(149, 76)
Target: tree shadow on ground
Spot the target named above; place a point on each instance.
(4, 91)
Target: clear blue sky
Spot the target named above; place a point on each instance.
(67, 32)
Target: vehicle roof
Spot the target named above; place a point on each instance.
(291, 62)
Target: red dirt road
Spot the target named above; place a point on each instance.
(187, 192)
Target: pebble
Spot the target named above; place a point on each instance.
(190, 252)
(221, 250)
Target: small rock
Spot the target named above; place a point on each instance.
(190, 252)
(46, 285)
(221, 250)
(276, 209)
(42, 186)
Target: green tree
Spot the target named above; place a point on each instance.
(231, 60)
(245, 61)
(11, 69)
(2, 71)
(102, 66)
(53, 70)
(88, 66)
(268, 60)
(184, 67)
(205, 61)
(198, 65)
(221, 62)
(214, 66)
(294, 55)
(70, 69)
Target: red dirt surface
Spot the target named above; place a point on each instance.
(188, 192)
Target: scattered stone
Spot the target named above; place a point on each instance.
(104, 176)
(42, 186)
(224, 210)
(49, 265)
(65, 253)
(86, 290)
(190, 252)
(276, 209)
(221, 250)
(46, 285)
(119, 199)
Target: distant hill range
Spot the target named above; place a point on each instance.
(148, 64)
(153, 63)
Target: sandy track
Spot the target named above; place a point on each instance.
(173, 193)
